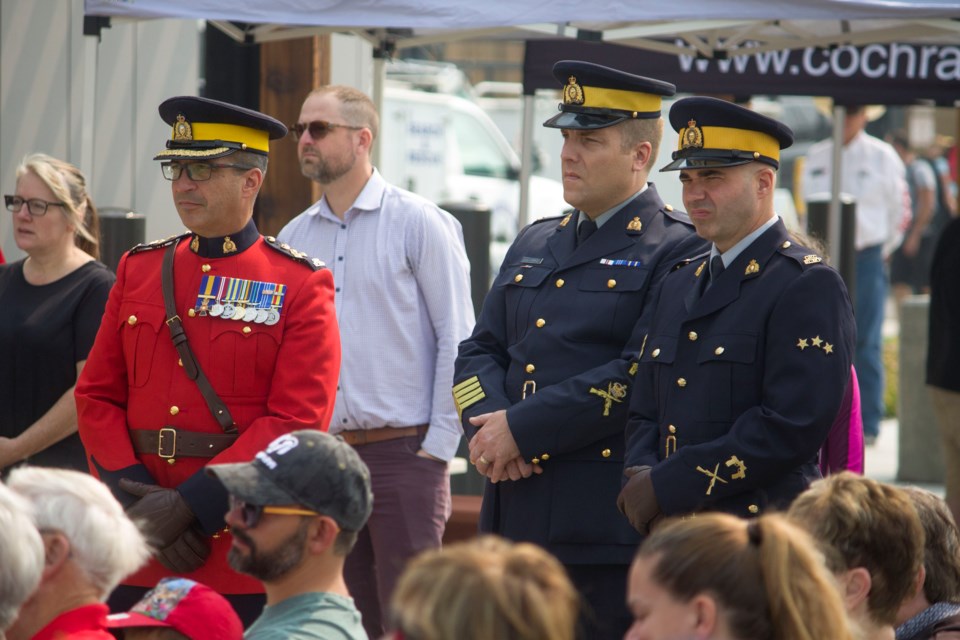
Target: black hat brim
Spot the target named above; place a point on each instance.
(579, 120)
(707, 160)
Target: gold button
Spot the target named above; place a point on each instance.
(179, 362)
(753, 509)
(530, 368)
(693, 335)
(518, 277)
(611, 283)
(206, 268)
(656, 353)
(559, 282)
(174, 410)
(786, 244)
(545, 457)
(681, 382)
(171, 461)
(191, 313)
(247, 329)
(668, 207)
(535, 461)
(605, 453)
(216, 536)
(541, 322)
(132, 320)
(719, 351)
(672, 429)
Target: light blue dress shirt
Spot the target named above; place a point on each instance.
(402, 295)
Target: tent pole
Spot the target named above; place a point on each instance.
(833, 211)
(379, 73)
(88, 107)
(526, 160)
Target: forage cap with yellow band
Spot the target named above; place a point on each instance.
(717, 133)
(595, 96)
(204, 129)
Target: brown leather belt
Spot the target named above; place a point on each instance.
(169, 442)
(359, 437)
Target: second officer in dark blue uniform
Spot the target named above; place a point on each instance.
(748, 355)
(543, 383)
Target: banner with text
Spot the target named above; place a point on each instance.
(890, 73)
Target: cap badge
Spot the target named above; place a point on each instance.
(182, 130)
(692, 136)
(573, 92)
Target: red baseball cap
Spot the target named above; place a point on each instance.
(193, 609)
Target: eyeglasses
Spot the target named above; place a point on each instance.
(35, 206)
(318, 128)
(250, 514)
(196, 171)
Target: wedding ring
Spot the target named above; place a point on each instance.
(483, 460)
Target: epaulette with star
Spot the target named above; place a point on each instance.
(158, 244)
(314, 263)
(801, 254)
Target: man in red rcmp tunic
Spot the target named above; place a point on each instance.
(213, 343)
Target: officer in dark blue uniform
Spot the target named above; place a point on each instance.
(543, 383)
(748, 355)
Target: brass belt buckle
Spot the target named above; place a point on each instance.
(167, 431)
(532, 385)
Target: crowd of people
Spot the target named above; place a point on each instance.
(240, 436)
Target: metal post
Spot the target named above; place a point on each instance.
(526, 160)
(833, 213)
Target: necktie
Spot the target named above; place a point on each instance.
(585, 229)
(716, 267)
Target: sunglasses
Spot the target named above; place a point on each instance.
(318, 128)
(196, 171)
(35, 206)
(250, 514)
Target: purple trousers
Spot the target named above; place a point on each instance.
(411, 505)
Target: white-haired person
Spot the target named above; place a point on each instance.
(89, 545)
(21, 555)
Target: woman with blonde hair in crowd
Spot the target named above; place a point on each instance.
(720, 577)
(483, 589)
(51, 304)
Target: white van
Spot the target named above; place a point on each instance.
(448, 150)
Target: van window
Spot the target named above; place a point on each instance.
(479, 152)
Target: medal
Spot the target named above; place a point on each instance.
(276, 303)
(241, 299)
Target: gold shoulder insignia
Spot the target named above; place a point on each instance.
(314, 263)
(157, 244)
(566, 219)
(812, 259)
(700, 268)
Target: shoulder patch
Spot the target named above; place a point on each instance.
(298, 256)
(801, 254)
(158, 244)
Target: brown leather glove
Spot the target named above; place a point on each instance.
(637, 499)
(187, 553)
(164, 513)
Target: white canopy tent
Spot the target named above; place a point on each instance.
(699, 28)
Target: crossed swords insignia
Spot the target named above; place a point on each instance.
(616, 392)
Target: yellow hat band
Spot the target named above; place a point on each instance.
(599, 98)
(738, 139)
(203, 131)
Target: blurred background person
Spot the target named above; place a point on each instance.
(179, 609)
(943, 354)
(718, 576)
(910, 263)
(89, 545)
(21, 555)
(933, 613)
(52, 303)
(482, 589)
(872, 539)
